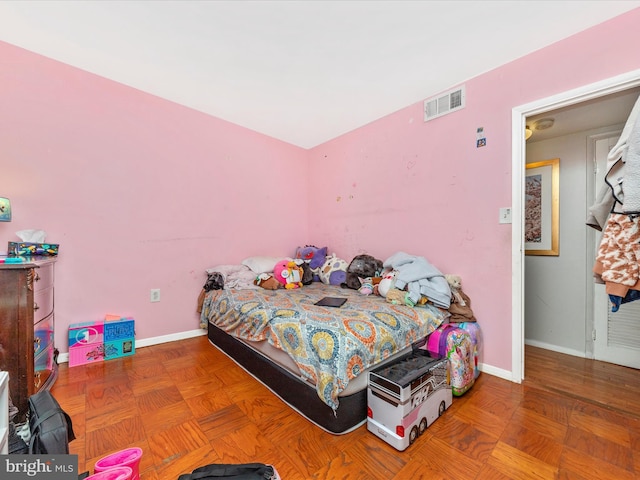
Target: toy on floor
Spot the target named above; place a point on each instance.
(406, 396)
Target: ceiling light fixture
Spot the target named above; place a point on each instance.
(527, 132)
(543, 123)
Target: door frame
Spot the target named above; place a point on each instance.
(592, 242)
(518, 159)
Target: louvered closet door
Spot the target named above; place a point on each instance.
(616, 334)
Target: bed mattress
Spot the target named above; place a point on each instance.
(293, 390)
(285, 361)
(321, 353)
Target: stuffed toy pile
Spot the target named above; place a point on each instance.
(288, 273)
(314, 257)
(362, 267)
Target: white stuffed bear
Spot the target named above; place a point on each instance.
(387, 282)
(455, 284)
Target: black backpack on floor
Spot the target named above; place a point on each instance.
(50, 426)
(246, 471)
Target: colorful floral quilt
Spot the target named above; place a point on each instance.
(330, 345)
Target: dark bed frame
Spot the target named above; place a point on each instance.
(351, 413)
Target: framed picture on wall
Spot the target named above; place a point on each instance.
(5, 210)
(542, 208)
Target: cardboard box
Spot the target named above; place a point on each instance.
(119, 348)
(119, 338)
(86, 343)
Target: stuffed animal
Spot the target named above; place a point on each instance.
(288, 274)
(366, 285)
(455, 284)
(307, 274)
(267, 281)
(399, 297)
(362, 266)
(460, 307)
(334, 270)
(314, 257)
(387, 282)
(215, 281)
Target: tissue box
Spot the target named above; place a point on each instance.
(86, 343)
(26, 249)
(119, 338)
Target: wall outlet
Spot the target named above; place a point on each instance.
(155, 294)
(505, 215)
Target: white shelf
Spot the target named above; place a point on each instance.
(4, 413)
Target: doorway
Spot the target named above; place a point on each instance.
(519, 117)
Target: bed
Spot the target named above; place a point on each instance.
(315, 358)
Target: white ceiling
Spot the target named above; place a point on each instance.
(606, 111)
(300, 71)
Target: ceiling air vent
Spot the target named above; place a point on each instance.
(445, 103)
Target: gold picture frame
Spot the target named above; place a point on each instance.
(542, 208)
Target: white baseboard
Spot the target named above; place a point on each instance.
(555, 348)
(508, 375)
(496, 372)
(147, 342)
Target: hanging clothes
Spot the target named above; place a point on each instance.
(618, 260)
(621, 191)
(616, 212)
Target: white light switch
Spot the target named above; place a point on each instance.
(505, 215)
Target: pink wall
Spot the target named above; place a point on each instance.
(140, 193)
(424, 188)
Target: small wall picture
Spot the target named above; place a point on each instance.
(542, 208)
(5, 210)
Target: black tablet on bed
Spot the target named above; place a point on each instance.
(331, 302)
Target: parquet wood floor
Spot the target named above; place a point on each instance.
(186, 405)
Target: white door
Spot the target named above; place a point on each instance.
(616, 335)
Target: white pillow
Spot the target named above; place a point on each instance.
(261, 264)
(228, 270)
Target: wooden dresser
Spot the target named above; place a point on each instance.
(27, 348)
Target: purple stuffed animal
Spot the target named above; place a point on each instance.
(334, 270)
(314, 257)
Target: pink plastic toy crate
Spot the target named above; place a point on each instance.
(86, 343)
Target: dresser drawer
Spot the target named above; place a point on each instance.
(43, 277)
(42, 335)
(44, 368)
(44, 360)
(42, 304)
